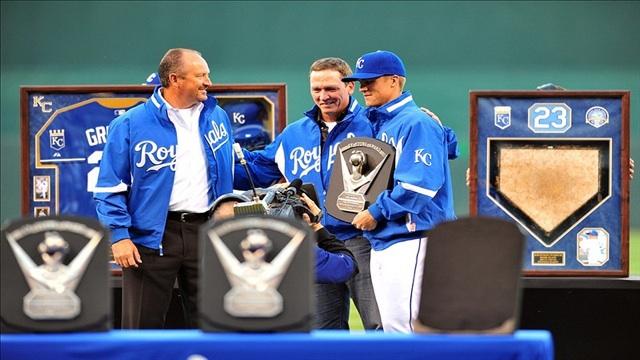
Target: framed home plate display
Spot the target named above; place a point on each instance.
(557, 164)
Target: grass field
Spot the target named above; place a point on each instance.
(355, 324)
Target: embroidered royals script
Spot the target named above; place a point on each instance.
(156, 155)
(307, 160)
(217, 133)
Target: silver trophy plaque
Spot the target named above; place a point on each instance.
(363, 170)
(52, 284)
(355, 182)
(256, 274)
(254, 281)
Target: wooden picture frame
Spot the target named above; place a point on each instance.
(557, 164)
(76, 117)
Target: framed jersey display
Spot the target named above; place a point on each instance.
(557, 164)
(64, 129)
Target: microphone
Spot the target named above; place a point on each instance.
(240, 155)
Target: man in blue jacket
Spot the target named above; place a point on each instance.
(306, 150)
(422, 193)
(164, 163)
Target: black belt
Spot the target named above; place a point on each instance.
(189, 217)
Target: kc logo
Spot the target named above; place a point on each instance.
(45, 106)
(424, 158)
(238, 118)
(56, 139)
(360, 63)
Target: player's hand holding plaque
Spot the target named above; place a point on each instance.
(361, 172)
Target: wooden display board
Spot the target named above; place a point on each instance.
(557, 164)
(64, 129)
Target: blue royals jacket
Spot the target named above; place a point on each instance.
(297, 154)
(137, 168)
(422, 194)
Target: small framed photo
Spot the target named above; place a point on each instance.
(41, 188)
(41, 211)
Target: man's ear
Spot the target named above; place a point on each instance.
(173, 78)
(397, 81)
(351, 86)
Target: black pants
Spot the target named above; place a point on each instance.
(146, 290)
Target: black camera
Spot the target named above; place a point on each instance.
(280, 201)
(275, 200)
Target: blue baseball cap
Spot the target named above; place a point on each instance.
(247, 120)
(376, 64)
(252, 137)
(152, 79)
(244, 112)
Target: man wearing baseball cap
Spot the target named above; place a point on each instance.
(421, 196)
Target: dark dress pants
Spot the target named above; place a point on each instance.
(147, 290)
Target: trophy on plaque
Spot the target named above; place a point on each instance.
(256, 274)
(63, 261)
(363, 170)
(255, 281)
(53, 283)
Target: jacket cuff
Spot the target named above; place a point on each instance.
(118, 234)
(322, 234)
(374, 210)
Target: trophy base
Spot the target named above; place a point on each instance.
(253, 303)
(351, 202)
(49, 305)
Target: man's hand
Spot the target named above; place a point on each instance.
(126, 254)
(224, 211)
(315, 210)
(364, 221)
(467, 177)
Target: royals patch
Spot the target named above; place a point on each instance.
(56, 139)
(502, 116)
(597, 116)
